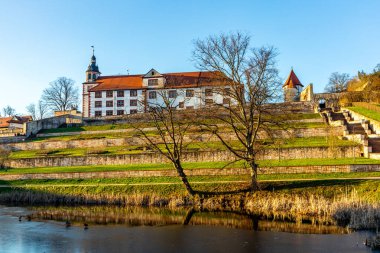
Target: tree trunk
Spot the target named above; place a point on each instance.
(182, 175)
(254, 184)
(189, 214)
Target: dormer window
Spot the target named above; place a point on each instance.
(152, 82)
(152, 73)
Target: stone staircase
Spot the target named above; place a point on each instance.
(358, 130)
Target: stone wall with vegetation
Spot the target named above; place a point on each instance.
(136, 141)
(33, 127)
(202, 156)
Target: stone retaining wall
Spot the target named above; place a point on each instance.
(33, 127)
(203, 156)
(136, 141)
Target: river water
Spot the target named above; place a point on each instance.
(43, 229)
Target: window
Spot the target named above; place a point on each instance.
(226, 101)
(189, 93)
(98, 104)
(133, 93)
(120, 103)
(172, 93)
(120, 112)
(93, 77)
(208, 92)
(109, 93)
(209, 101)
(152, 82)
(133, 102)
(98, 94)
(181, 105)
(120, 93)
(98, 113)
(109, 103)
(89, 76)
(109, 113)
(133, 111)
(152, 95)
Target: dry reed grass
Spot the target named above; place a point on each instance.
(347, 210)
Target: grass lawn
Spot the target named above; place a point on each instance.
(194, 165)
(114, 135)
(366, 112)
(367, 190)
(124, 150)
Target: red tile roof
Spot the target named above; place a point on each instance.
(292, 80)
(118, 82)
(193, 79)
(173, 80)
(4, 122)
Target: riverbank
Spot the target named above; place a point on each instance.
(351, 202)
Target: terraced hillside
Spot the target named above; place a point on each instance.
(306, 137)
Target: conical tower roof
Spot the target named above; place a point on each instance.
(292, 81)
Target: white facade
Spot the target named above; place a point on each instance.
(126, 106)
(102, 106)
(118, 95)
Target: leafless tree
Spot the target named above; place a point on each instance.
(38, 111)
(9, 111)
(250, 80)
(337, 82)
(377, 68)
(61, 95)
(171, 127)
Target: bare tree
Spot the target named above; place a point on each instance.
(9, 111)
(38, 111)
(31, 109)
(171, 127)
(61, 95)
(250, 80)
(377, 68)
(337, 82)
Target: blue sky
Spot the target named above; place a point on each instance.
(44, 39)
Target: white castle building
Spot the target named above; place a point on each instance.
(128, 94)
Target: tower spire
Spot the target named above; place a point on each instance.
(92, 72)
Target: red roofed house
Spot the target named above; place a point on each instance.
(14, 122)
(128, 94)
(292, 88)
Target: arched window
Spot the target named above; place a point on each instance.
(89, 76)
(93, 77)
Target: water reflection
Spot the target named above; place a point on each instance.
(135, 229)
(139, 216)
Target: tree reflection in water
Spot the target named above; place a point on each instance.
(140, 216)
